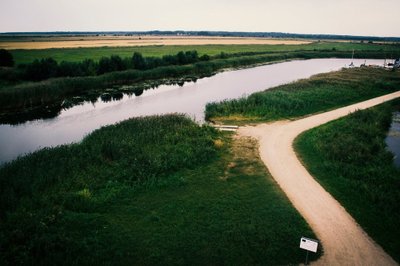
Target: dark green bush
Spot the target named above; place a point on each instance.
(6, 58)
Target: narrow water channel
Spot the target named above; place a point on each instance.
(73, 124)
(393, 138)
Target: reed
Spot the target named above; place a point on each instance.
(319, 93)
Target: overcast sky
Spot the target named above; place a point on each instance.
(355, 17)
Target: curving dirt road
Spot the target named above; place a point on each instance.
(344, 241)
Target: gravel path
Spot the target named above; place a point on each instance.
(344, 241)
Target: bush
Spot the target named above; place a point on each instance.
(41, 69)
(6, 58)
(138, 61)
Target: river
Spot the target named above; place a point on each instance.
(74, 123)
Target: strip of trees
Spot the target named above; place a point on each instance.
(49, 68)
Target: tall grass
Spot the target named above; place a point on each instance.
(349, 158)
(320, 92)
(147, 191)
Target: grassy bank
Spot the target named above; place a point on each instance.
(79, 54)
(319, 93)
(349, 159)
(147, 191)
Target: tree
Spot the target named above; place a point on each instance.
(41, 69)
(138, 61)
(181, 56)
(104, 65)
(116, 63)
(6, 58)
(204, 57)
(89, 67)
(69, 69)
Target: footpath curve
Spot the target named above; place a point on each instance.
(344, 241)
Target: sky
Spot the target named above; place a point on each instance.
(352, 17)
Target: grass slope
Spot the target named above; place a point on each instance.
(349, 158)
(147, 191)
(79, 54)
(319, 93)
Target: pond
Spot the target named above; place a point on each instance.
(73, 124)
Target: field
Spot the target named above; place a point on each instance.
(155, 190)
(79, 54)
(348, 157)
(319, 93)
(125, 41)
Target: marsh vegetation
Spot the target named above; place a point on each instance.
(319, 93)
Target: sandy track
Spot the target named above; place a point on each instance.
(344, 241)
(74, 42)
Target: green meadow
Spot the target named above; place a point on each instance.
(147, 191)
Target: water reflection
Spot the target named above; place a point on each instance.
(114, 94)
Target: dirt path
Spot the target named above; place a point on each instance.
(344, 241)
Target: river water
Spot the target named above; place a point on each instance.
(73, 124)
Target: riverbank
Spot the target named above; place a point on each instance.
(319, 93)
(349, 158)
(147, 191)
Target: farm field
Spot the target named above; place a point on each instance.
(143, 40)
(79, 54)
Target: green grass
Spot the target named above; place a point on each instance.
(79, 54)
(349, 159)
(319, 93)
(147, 191)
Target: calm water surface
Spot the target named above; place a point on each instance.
(73, 124)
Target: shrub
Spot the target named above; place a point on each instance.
(41, 69)
(6, 58)
(138, 61)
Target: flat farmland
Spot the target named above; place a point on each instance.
(27, 42)
(62, 49)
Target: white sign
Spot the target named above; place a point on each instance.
(309, 244)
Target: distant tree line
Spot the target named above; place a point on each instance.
(49, 68)
(209, 33)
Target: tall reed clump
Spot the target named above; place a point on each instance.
(350, 160)
(321, 92)
(44, 196)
